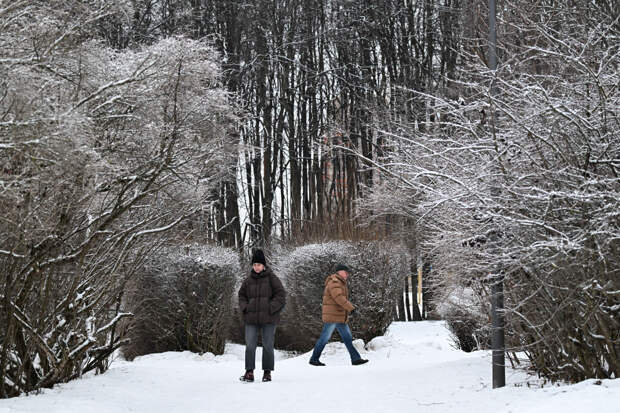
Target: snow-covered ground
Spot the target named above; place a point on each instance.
(412, 369)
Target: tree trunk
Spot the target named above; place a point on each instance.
(407, 306)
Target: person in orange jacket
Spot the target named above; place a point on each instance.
(336, 311)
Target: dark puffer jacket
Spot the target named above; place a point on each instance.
(262, 298)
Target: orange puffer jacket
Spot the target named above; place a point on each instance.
(336, 304)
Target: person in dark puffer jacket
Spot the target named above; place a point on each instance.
(261, 299)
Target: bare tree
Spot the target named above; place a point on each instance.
(103, 153)
(534, 167)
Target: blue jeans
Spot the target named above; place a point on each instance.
(267, 332)
(326, 334)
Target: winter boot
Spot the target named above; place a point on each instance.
(358, 362)
(267, 375)
(248, 376)
(316, 363)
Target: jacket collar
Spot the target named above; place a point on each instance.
(262, 274)
(337, 276)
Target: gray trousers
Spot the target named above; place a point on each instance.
(267, 332)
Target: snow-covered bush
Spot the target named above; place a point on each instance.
(515, 174)
(182, 300)
(102, 153)
(466, 316)
(378, 270)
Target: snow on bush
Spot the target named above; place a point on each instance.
(467, 318)
(525, 182)
(378, 269)
(183, 301)
(102, 154)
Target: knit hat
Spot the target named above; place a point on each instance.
(342, 267)
(258, 257)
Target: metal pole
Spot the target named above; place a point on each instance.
(497, 288)
(497, 339)
(492, 36)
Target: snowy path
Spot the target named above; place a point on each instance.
(412, 369)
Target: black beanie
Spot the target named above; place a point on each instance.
(258, 257)
(343, 268)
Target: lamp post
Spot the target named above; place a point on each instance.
(497, 286)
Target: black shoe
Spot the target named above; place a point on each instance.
(316, 363)
(267, 375)
(248, 376)
(358, 362)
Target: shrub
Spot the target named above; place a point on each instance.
(466, 317)
(378, 269)
(182, 301)
(569, 327)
